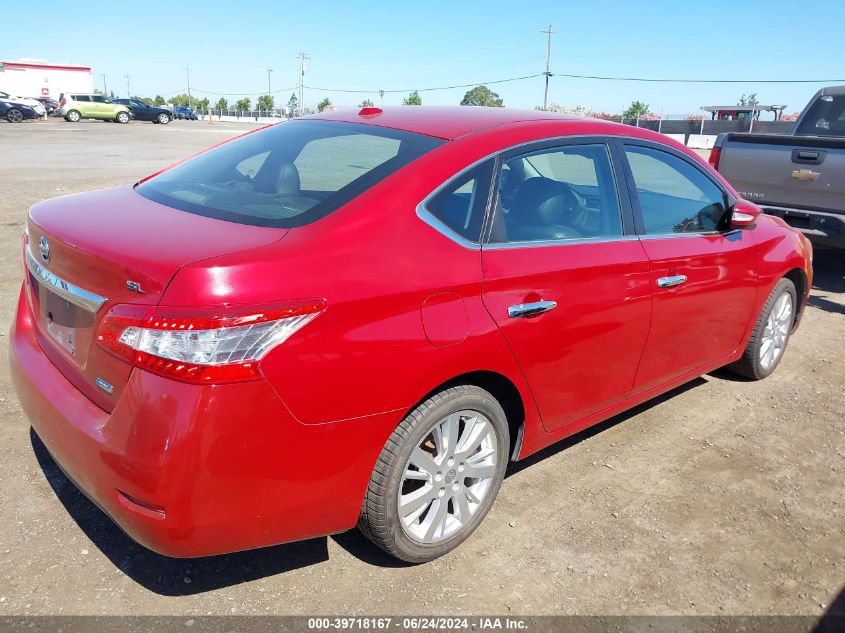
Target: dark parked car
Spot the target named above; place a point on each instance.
(184, 112)
(143, 112)
(16, 112)
(51, 105)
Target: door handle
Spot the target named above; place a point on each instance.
(521, 310)
(671, 281)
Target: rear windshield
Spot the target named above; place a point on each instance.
(287, 175)
(826, 117)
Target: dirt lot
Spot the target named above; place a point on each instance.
(723, 497)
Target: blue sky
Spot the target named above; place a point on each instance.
(398, 45)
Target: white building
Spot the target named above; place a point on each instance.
(37, 78)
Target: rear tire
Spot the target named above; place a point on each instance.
(122, 117)
(438, 475)
(14, 116)
(771, 333)
(73, 116)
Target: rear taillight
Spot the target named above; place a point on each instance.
(715, 154)
(63, 101)
(202, 345)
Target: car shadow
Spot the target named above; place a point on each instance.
(829, 270)
(172, 576)
(554, 449)
(833, 619)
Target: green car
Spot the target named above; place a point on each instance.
(89, 106)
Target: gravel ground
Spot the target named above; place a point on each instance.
(722, 497)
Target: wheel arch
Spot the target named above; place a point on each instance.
(503, 390)
(799, 278)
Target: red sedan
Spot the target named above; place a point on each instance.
(361, 318)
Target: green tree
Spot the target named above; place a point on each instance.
(202, 104)
(325, 104)
(636, 110)
(242, 104)
(482, 96)
(265, 102)
(182, 99)
(412, 99)
(147, 100)
(749, 100)
(366, 103)
(159, 101)
(293, 105)
(221, 104)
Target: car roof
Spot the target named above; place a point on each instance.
(446, 122)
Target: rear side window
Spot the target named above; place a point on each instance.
(288, 175)
(80, 98)
(674, 196)
(460, 204)
(826, 117)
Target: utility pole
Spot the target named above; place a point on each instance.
(549, 32)
(303, 66)
(128, 91)
(105, 87)
(188, 75)
(269, 70)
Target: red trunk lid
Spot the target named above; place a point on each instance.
(93, 250)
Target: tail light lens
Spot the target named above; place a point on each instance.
(64, 101)
(715, 154)
(202, 345)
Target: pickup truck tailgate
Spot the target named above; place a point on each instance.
(786, 171)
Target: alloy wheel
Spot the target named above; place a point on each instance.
(447, 477)
(776, 331)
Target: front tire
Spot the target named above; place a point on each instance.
(771, 333)
(73, 116)
(163, 119)
(122, 117)
(14, 116)
(438, 475)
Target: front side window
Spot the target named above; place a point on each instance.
(674, 196)
(98, 99)
(562, 193)
(461, 204)
(287, 175)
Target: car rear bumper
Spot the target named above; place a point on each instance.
(195, 470)
(824, 229)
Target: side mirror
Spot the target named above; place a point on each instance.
(744, 214)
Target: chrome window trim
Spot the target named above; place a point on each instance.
(603, 239)
(66, 290)
(663, 236)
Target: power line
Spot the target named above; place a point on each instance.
(702, 81)
(472, 85)
(238, 94)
